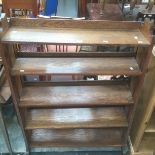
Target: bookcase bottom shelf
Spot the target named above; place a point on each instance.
(76, 138)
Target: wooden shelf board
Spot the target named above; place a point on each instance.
(76, 118)
(147, 143)
(76, 138)
(75, 36)
(76, 96)
(151, 125)
(78, 66)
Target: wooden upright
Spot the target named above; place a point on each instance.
(4, 95)
(76, 113)
(143, 128)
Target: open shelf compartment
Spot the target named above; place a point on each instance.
(76, 94)
(75, 118)
(76, 138)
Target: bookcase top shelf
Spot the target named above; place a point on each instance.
(77, 32)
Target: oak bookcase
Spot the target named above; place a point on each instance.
(76, 113)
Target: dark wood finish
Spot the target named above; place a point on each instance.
(76, 96)
(74, 118)
(77, 83)
(21, 4)
(82, 8)
(82, 66)
(76, 138)
(75, 55)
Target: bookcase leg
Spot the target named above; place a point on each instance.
(8, 61)
(136, 85)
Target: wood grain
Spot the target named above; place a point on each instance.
(81, 54)
(74, 118)
(8, 58)
(75, 96)
(148, 143)
(1, 30)
(151, 124)
(145, 106)
(75, 33)
(76, 138)
(75, 36)
(82, 66)
(79, 24)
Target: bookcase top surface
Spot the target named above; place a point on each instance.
(76, 32)
(75, 36)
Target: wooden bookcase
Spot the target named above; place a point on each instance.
(143, 128)
(76, 113)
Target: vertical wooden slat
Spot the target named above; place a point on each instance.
(145, 107)
(8, 64)
(137, 90)
(147, 29)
